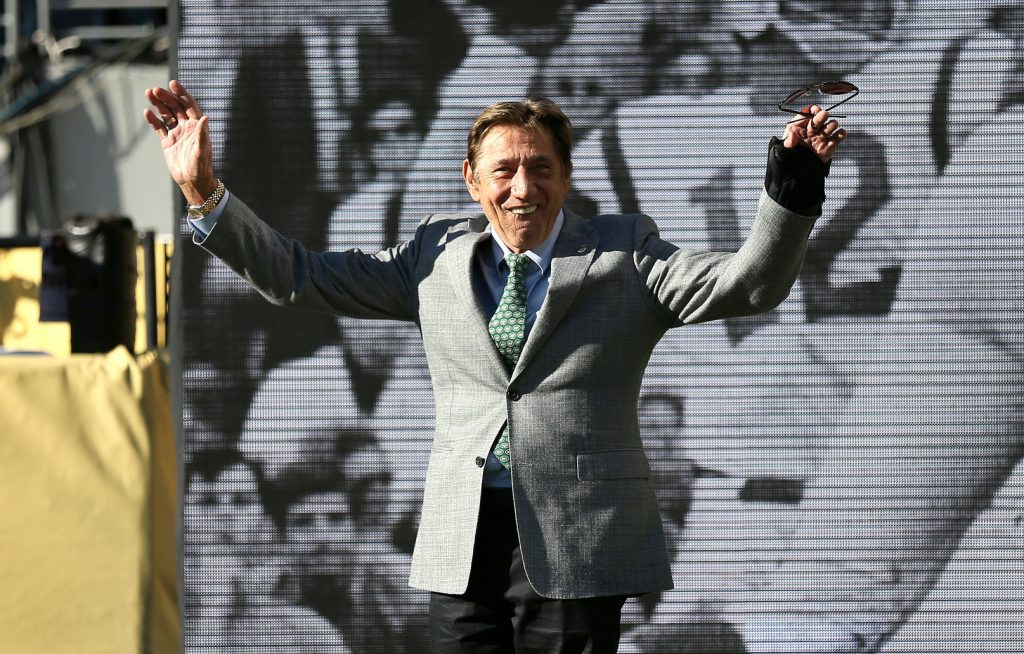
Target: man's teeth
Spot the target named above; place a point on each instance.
(522, 211)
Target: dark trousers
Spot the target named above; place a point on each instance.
(500, 613)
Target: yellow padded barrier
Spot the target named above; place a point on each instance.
(89, 504)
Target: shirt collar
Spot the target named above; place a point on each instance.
(540, 255)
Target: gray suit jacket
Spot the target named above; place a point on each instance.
(584, 500)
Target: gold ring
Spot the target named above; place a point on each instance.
(170, 122)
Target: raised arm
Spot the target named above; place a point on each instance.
(279, 268)
(696, 287)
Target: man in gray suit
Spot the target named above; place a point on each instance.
(539, 514)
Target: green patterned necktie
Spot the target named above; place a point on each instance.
(508, 329)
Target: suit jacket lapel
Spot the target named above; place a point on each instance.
(463, 240)
(574, 252)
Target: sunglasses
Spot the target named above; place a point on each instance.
(828, 95)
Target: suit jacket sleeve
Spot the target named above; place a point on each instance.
(283, 271)
(690, 287)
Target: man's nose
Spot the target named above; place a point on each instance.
(521, 183)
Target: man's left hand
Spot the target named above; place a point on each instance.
(816, 131)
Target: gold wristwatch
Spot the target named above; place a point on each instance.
(202, 210)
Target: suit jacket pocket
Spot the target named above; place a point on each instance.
(613, 464)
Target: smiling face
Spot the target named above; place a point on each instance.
(520, 182)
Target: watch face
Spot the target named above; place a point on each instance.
(195, 212)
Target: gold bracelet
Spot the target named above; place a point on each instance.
(204, 209)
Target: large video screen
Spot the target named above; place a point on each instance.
(838, 475)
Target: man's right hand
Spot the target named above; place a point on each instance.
(176, 118)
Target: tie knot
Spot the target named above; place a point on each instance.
(516, 263)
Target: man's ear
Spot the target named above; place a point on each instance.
(470, 177)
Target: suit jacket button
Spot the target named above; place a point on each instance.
(480, 461)
(513, 395)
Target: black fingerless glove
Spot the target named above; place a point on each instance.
(795, 178)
